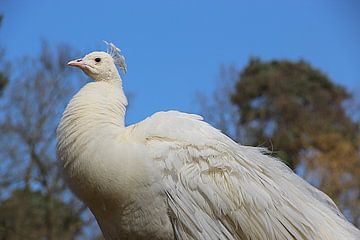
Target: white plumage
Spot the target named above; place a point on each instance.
(173, 176)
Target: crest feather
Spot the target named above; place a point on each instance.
(115, 53)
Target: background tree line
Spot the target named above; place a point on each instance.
(289, 107)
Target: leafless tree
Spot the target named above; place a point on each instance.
(217, 108)
(30, 108)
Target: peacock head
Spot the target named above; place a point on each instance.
(101, 66)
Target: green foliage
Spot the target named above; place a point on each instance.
(290, 103)
(24, 216)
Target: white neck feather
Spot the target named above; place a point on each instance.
(96, 108)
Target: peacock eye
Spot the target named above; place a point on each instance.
(97, 59)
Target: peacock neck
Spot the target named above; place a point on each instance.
(100, 103)
(96, 110)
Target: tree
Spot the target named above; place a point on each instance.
(3, 74)
(299, 114)
(291, 104)
(33, 194)
(22, 217)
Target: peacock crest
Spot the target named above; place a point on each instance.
(115, 53)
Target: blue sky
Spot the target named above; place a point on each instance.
(174, 48)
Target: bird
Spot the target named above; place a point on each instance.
(174, 176)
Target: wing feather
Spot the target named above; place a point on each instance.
(218, 189)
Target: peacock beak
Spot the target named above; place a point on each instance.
(77, 63)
